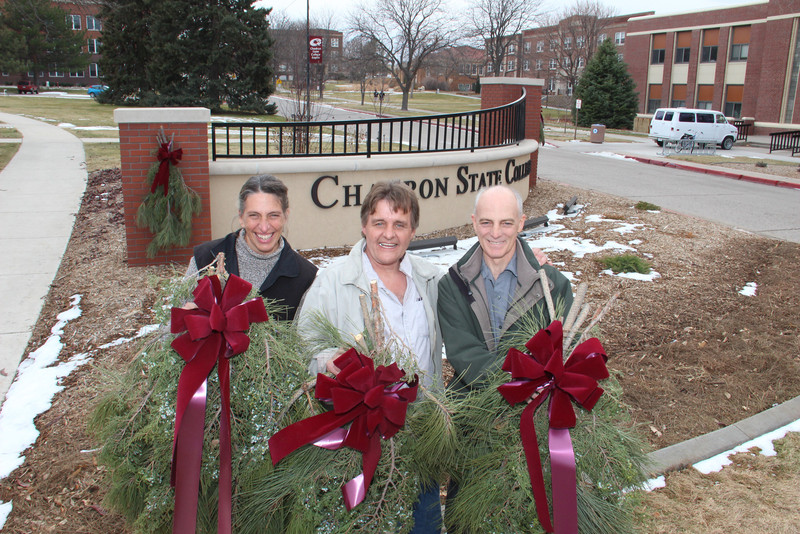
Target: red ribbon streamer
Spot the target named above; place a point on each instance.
(374, 400)
(543, 373)
(165, 156)
(214, 332)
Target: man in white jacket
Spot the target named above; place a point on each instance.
(407, 285)
(407, 288)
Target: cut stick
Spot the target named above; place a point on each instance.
(585, 309)
(580, 296)
(547, 296)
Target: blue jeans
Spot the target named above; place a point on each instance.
(428, 510)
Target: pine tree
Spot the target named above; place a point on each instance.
(607, 91)
(35, 36)
(184, 53)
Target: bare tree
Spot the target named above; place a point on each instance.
(574, 35)
(406, 32)
(362, 62)
(499, 24)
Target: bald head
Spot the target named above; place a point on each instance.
(499, 193)
(497, 220)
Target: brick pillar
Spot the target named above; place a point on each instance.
(138, 127)
(499, 91)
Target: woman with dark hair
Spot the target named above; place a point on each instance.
(258, 252)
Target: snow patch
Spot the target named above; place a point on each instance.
(749, 289)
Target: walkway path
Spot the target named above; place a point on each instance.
(40, 193)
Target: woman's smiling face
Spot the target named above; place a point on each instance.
(263, 220)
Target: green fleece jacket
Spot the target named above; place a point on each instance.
(464, 313)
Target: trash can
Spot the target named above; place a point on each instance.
(598, 133)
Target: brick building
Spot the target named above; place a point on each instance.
(558, 53)
(453, 69)
(82, 15)
(742, 60)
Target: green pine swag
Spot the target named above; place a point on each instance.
(473, 439)
(168, 217)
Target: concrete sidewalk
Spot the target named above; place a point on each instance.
(40, 193)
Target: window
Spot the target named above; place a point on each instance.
(569, 89)
(657, 56)
(538, 64)
(708, 53)
(74, 21)
(567, 43)
(619, 38)
(335, 42)
(659, 49)
(93, 23)
(685, 116)
(682, 55)
(740, 43)
(553, 64)
(679, 96)
(527, 46)
(654, 98)
(580, 41)
(668, 115)
(620, 56)
(551, 84)
(683, 43)
(705, 118)
(739, 52)
(94, 70)
(721, 119)
(526, 65)
(94, 46)
(489, 68)
(705, 96)
(512, 49)
(55, 72)
(602, 37)
(733, 101)
(552, 45)
(733, 109)
(511, 65)
(581, 62)
(76, 74)
(540, 46)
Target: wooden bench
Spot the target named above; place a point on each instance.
(535, 221)
(568, 205)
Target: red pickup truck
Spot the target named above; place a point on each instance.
(24, 86)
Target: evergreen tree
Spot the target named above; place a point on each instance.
(35, 36)
(607, 91)
(184, 53)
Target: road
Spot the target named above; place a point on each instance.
(763, 209)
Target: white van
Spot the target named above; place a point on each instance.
(673, 124)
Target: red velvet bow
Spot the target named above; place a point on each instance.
(543, 371)
(375, 400)
(214, 332)
(165, 156)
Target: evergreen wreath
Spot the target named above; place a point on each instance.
(167, 215)
(474, 439)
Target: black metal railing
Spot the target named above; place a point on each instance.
(788, 140)
(487, 128)
(742, 129)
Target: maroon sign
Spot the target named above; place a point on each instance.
(315, 49)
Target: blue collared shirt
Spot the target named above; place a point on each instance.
(499, 293)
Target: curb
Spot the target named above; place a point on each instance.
(691, 451)
(717, 172)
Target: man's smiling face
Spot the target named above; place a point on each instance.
(388, 233)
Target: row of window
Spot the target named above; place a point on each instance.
(731, 108)
(580, 41)
(708, 54)
(92, 23)
(56, 72)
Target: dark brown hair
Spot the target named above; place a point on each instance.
(264, 183)
(399, 196)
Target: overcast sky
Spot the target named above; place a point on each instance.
(296, 9)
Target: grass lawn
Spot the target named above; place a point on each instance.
(7, 151)
(102, 156)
